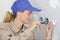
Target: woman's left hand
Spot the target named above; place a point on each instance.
(49, 29)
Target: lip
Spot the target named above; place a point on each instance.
(28, 19)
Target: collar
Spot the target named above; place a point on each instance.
(13, 27)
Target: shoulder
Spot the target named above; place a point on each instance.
(4, 26)
(4, 29)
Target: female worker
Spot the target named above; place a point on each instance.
(14, 22)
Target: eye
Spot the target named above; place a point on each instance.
(30, 12)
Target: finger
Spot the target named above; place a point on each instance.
(38, 27)
(49, 25)
(50, 28)
(38, 22)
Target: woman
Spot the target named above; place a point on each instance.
(14, 22)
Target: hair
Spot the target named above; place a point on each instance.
(9, 17)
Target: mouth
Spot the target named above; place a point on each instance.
(29, 19)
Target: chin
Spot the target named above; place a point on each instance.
(27, 22)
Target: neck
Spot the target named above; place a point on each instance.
(18, 24)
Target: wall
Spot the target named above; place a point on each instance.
(51, 9)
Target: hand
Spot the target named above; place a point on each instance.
(49, 30)
(35, 24)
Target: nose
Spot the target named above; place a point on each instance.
(30, 16)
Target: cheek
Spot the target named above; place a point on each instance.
(25, 19)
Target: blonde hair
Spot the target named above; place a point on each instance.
(8, 17)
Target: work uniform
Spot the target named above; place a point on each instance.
(9, 31)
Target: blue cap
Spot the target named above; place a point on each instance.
(20, 5)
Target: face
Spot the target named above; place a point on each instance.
(25, 16)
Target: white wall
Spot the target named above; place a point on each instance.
(4, 6)
(50, 8)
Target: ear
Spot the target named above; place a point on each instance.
(18, 13)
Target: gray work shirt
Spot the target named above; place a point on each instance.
(9, 31)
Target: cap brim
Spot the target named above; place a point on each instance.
(34, 9)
